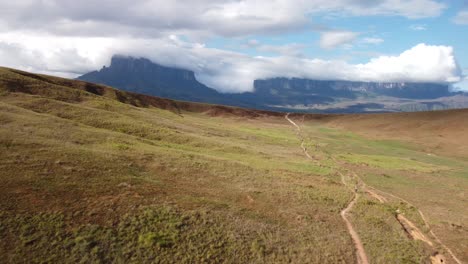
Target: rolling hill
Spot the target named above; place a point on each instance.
(89, 173)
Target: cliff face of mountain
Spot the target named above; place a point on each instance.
(143, 76)
(349, 89)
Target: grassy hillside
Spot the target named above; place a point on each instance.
(93, 174)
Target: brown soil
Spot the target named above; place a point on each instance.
(412, 231)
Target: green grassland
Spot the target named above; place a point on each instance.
(93, 179)
(104, 176)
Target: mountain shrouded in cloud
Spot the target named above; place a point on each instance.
(69, 38)
(143, 76)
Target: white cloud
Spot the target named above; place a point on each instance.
(374, 41)
(291, 49)
(197, 18)
(422, 63)
(333, 39)
(66, 56)
(418, 27)
(461, 18)
(224, 70)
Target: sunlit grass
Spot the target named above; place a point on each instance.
(87, 177)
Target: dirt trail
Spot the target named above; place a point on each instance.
(298, 130)
(376, 196)
(437, 257)
(412, 230)
(360, 252)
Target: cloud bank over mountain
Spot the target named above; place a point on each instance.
(224, 70)
(69, 38)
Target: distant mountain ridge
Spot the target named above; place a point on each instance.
(295, 94)
(350, 89)
(143, 76)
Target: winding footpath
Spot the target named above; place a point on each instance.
(298, 130)
(409, 227)
(360, 252)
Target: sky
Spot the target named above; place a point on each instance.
(231, 43)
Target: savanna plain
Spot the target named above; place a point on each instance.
(91, 174)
